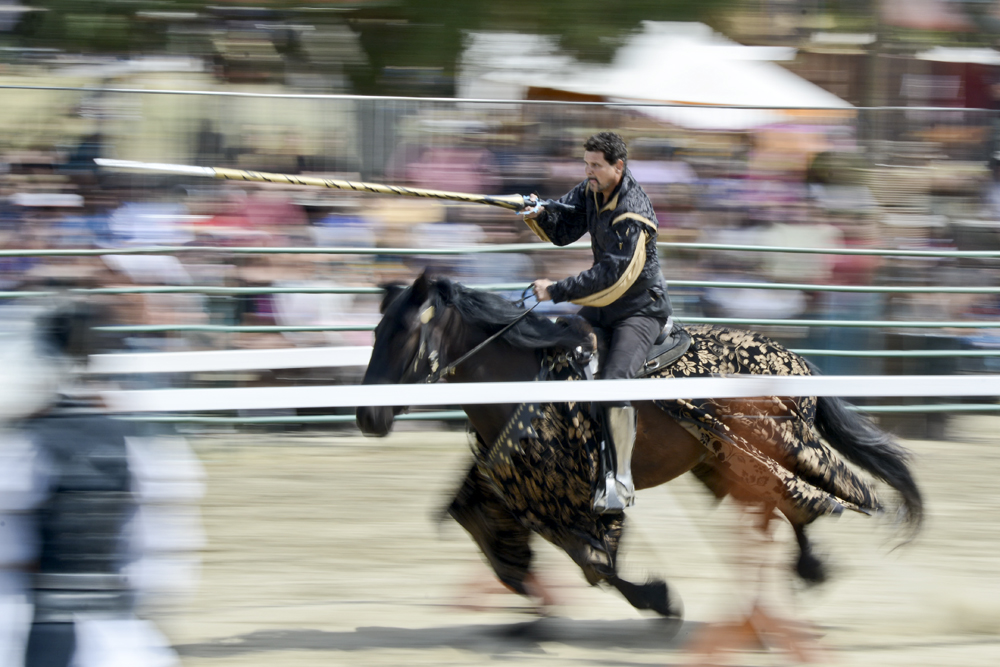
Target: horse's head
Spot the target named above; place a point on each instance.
(432, 324)
(407, 343)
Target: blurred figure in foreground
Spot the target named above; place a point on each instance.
(74, 505)
(623, 293)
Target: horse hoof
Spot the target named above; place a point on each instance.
(653, 595)
(810, 569)
(663, 603)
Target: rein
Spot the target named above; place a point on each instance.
(450, 368)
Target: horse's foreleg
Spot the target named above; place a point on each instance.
(500, 536)
(474, 593)
(540, 592)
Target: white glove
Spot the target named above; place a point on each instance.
(533, 211)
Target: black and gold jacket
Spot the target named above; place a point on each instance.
(625, 279)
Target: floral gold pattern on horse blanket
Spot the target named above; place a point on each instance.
(765, 448)
(539, 474)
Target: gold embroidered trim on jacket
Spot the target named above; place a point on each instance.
(634, 216)
(533, 226)
(610, 206)
(611, 294)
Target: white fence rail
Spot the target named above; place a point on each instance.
(230, 360)
(272, 398)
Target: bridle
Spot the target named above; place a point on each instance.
(427, 316)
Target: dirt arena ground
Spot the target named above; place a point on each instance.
(324, 549)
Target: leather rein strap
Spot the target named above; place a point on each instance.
(450, 368)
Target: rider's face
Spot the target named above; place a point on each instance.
(601, 176)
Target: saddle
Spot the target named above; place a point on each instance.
(668, 347)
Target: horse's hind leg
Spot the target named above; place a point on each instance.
(653, 595)
(598, 565)
(809, 568)
(766, 616)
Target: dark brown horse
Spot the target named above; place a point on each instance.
(765, 452)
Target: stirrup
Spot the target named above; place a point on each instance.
(618, 491)
(615, 496)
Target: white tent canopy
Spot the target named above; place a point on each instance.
(495, 64)
(946, 54)
(689, 65)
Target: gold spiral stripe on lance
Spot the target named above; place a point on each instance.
(510, 202)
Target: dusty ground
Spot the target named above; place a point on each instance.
(323, 549)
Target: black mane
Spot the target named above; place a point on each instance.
(491, 313)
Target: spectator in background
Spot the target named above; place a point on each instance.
(210, 146)
(466, 167)
(74, 500)
(80, 165)
(992, 194)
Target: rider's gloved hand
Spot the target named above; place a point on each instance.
(531, 212)
(541, 289)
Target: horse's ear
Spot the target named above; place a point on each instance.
(391, 292)
(422, 286)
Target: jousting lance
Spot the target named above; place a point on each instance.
(511, 202)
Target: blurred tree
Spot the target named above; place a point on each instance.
(592, 30)
(420, 34)
(96, 26)
(412, 46)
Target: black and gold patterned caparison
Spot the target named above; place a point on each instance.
(539, 474)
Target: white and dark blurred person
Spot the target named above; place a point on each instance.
(72, 487)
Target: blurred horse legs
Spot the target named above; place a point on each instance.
(475, 592)
(767, 621)
(501, 538)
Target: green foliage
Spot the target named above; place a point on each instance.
(397, 35)
(593, 29)
(418, 33)
(95, 26)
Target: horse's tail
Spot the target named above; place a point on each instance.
(861, 442)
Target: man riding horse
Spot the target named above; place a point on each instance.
(623, 293)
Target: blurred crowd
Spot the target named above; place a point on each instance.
(795, 185)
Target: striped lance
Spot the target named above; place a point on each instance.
(510, 202)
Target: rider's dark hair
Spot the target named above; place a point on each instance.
(609, 143)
